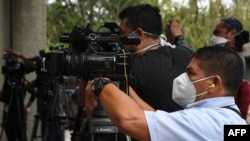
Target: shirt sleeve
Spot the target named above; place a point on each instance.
(195, 124)
(183, 43)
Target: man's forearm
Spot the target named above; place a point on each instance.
(124, 112)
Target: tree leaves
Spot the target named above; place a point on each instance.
(198, 20)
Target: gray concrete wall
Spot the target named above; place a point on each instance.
(23, 28)
(5, 30)
(29, 26)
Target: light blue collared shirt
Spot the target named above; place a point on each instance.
(201, 121)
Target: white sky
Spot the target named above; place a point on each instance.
(51, 1)
(228, 3)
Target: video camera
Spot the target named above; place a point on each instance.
(13, 66)
(93, 54)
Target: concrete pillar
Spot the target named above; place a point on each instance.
(29, 26)
(5, 30)
(22, 28)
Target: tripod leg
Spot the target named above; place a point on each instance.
(49, 118)
(46, 130)
(21, 114)
(6, 113)
(35, 127)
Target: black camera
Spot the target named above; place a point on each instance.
(90, 55)
(7, 56)
(13, 66)
(93, 54)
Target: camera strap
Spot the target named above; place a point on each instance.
(233, 109)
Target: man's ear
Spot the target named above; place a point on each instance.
(140, 32)
(232, 33)
(217, 80)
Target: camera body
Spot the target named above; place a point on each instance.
(93, 54)
(13, 66)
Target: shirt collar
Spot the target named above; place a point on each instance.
(214, 102)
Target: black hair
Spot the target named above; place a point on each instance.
(241, 39)
(143, 16)
(242, 35)
(222, 61)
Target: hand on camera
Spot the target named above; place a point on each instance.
(15, 54)
(90, 99)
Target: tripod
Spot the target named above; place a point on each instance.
(14, 119)
(50, 112)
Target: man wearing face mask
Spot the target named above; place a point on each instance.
(155, 63)
(206, 90)
(230, 32)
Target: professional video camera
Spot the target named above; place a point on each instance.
(90, 55)
(93, 54)
(13, 66)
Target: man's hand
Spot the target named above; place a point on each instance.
(173, 29)
(27, 109)
(90, 99)
(15, 54)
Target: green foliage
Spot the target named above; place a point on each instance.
(63, 15)
(198, 20)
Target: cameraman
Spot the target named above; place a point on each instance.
(13, 95)
(206, 90)
(155, 63)
(29, 86)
